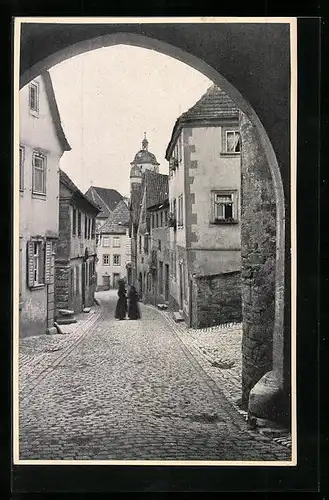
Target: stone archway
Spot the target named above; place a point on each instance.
(251, 126)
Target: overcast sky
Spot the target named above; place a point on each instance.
(108, 98)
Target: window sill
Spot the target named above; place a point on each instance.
(39, 196)
(223, 222)
(37, 287)
(34, 113)
(230, 154)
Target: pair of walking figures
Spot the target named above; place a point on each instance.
(123, 306)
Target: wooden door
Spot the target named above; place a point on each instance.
(166, 282)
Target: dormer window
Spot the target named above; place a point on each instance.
(34, 98)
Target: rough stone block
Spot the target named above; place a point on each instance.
(52, 330)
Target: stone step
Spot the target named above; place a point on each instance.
(65, 312)
(178, 317)
(66, 321)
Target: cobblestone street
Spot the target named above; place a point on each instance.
(128, 390)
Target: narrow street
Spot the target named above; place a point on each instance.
(131, 390)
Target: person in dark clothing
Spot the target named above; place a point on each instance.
(121, 307)
(133, 307)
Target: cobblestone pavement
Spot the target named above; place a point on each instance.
(130, 390)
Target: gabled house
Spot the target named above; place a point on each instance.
(114, 249)
(107, 200)
(204, 196)
(75, 264)
(42, 144)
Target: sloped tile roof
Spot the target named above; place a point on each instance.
(106, 199)
(135, 202)
(213, 105)
(157, 189)
(118, 220)
(65, 179)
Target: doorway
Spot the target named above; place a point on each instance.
(83, 287)
(166, 282)
(116, 277)
(181, 289)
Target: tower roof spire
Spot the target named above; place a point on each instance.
(145, 143)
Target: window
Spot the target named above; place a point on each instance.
(86, 227)
(106, 241)
(89, 228)
(93, 229)
(157, 220)
(106, 260)
(74, 222)
(116, 241)
(146, 244)
(153, 221)
(38, 262)
(34, 97)
(116, 260)
(224, 206)
(166, 217)
(21, 168)
(174, 207)
(77, 280)
(140, 243)
(232, 142)
(180, 210)
(159, 245)
(161, 219)
(79, 223)
(39, 173)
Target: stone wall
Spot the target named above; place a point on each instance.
(216, 299)
(63, 245)
(62, 285)
(258, 255)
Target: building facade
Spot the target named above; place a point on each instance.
(75, 264)
(42, 144)
(159, 271)
(205, 208)
(152, 254)
(143, 163)
(114, 249)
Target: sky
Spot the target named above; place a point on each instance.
(108, 98)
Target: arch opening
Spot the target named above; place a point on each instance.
(256, 128)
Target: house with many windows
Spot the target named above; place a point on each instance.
(114, 249)
(204, 220)
(75, 264)
(42, 144)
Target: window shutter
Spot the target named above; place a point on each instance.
(30, 263)
(48, 252)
